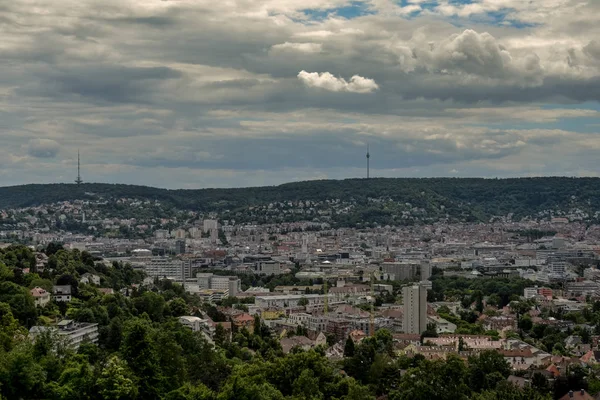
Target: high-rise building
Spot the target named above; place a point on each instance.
(414, 320)
(403, 270)
(180, 246)
(425, 270)
(209, 225)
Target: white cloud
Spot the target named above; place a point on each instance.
(327, 81)
(297, 47)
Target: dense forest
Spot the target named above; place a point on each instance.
(380, 200)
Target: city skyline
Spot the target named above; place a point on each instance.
(188, 94)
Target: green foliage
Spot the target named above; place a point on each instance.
(486, 370)
(117, 382)
(468, 200)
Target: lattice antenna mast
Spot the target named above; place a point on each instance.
(78, 181)
(368, 157)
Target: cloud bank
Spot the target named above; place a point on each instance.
(197, 94)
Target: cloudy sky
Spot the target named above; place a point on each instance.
(204, 93)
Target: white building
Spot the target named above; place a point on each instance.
(425, 270)
(166, 267)
(530, 292)
(194, 323)
(290, 300)
(90, 278)
(557, 267)
(62, 293)
(232, 284)
(73, 333)
(442, 325)
(415, 309)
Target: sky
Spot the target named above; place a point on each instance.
(231, 93)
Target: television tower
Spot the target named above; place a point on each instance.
(368, 156)
(78, 180)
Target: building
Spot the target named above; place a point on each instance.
(74, 333)
(62, 293)
(530, 292)
(442, 325)
(425, 270)
(557, 267)
(194, 323)
(291, 300)
(89, 278)
(577, 395)
(209, 225)
(415, 309)
(180, 246)
(164, 267)
(582, 288)
(40, 296)
(244, 321)
(270, 267)
(232, 284)
(401, 270)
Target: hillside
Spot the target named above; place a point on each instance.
(348, 202)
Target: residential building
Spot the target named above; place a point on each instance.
(244, 321)
(62, 293)
(164, 267)
(194, 323)
(232, 284)
(530, 292)
(74, 333)
(40, 296)
(89, 278)
(442, 325)
(583, 288)
(401, 270)
(425, 270)
(415, 309)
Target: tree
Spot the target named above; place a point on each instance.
(116, 382)
(540, 383)
(21, 376)
(20, 301)
(53, 248)
(189, 392)
(76, 381)
(178, 307)
(303, 302)
(9, 328)
(140, 354)
(220, 336)
(525, 323)
(306, 386)
(349, 347)
(486, 370)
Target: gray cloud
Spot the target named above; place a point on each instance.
(43, 148)
(186, 88)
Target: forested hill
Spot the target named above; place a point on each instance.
(382, 200)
